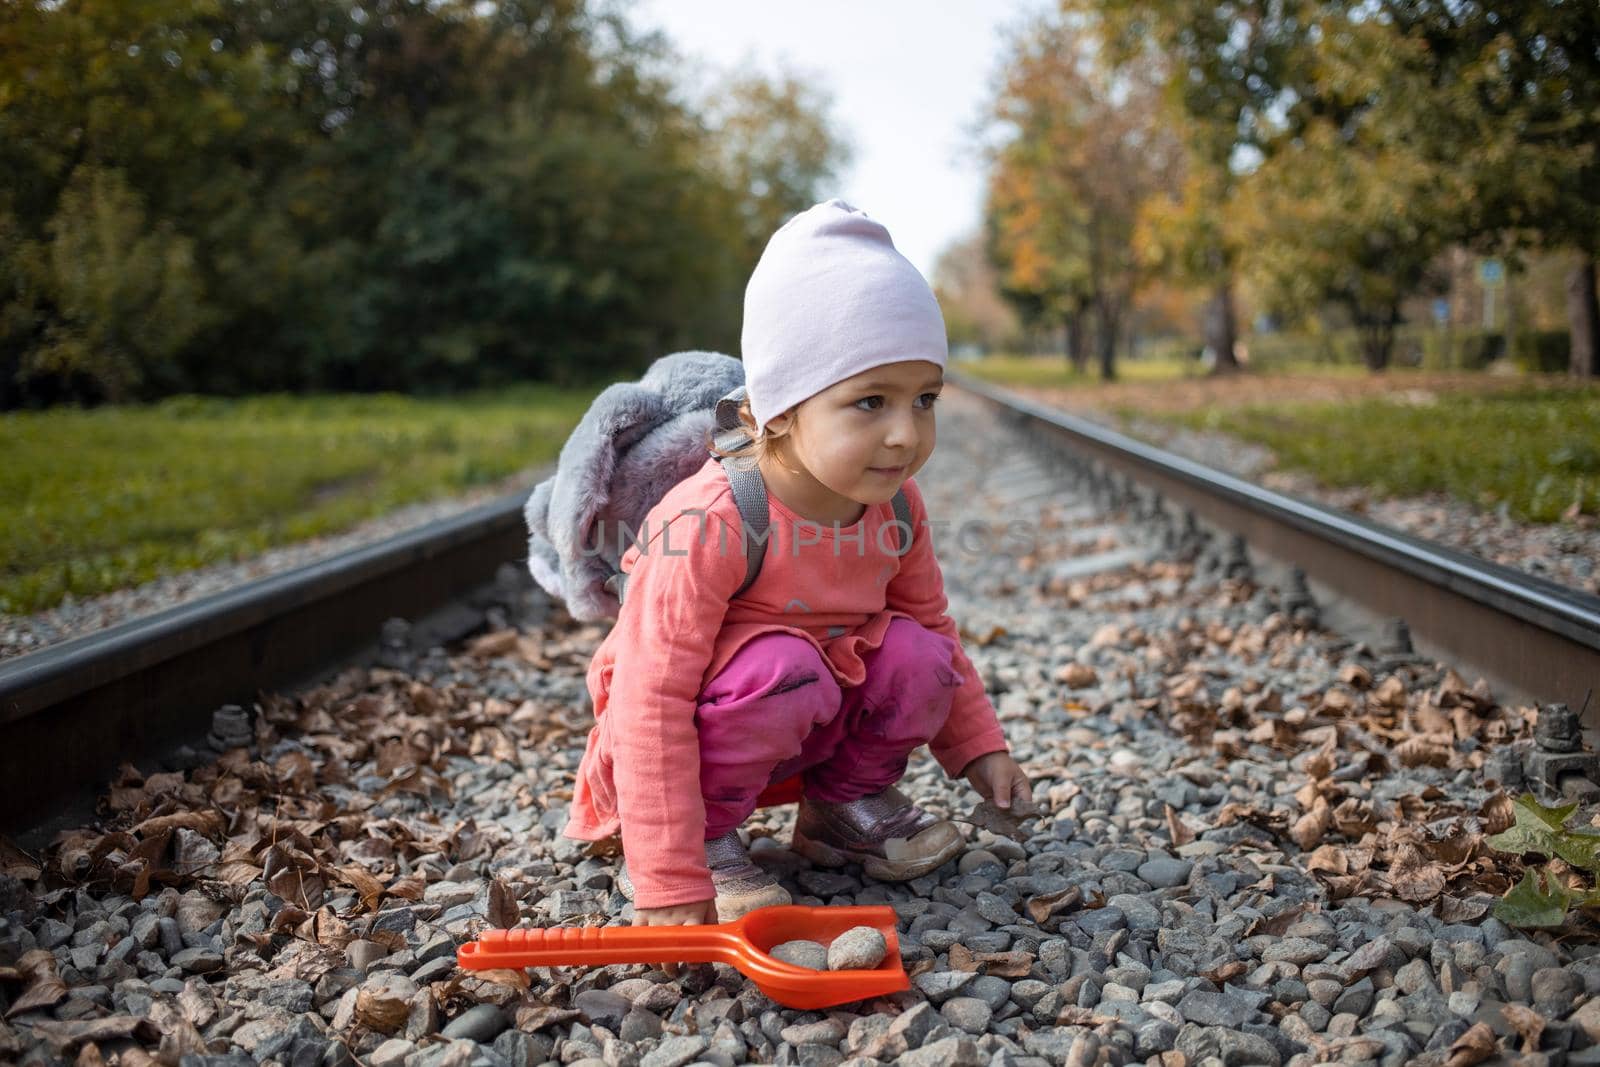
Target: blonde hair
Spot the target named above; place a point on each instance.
(758, 444)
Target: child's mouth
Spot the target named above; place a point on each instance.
(887, 470)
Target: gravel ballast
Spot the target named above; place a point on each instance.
(1240, 855)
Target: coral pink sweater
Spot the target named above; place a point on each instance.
(678, 628)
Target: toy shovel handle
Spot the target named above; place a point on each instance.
(597, 946)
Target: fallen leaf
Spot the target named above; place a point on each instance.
(1005, 822)
(1042, 907)
(45, 987)
(1177, 830)
(369, 888)
(1015, 964)
(961, 958)
(1449, 909)
(63, 1035)
(1528, 1023)
(504, 912)
(1473, 1047)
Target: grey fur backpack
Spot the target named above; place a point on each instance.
(636, 441)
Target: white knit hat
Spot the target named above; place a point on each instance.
(830, 298)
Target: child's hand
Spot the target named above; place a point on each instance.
(999, 780)
(699, 913)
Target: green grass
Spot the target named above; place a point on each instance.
(1054, 372)
(1534, 450)
(92, 501)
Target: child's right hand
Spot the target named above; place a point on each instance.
(699, 913)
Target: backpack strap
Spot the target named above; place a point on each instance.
(750, 495)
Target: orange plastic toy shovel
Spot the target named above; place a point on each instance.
(745, 944)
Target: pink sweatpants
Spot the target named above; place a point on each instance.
(775, 711)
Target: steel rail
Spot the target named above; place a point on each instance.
(1534, 636)
(75, 711)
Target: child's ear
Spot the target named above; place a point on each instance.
(780, 425)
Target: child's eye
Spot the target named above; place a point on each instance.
(931, 399)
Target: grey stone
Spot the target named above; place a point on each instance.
(826, 1032)
(1098, 920)
(1296, 950)
(675, 1051)
(639, 1025)
(1213, 1009)
(802, 954)
(1555, 988)
(392, 1053)
(1414, 976)
(1356, 998)
(859, 947)
(1242, 1049)
(940, 986)
(967, 1013)
(603, 1006)
(198, 960)
(1139, 913)
(949, 1052)
(1164, 872)
(481, 1023)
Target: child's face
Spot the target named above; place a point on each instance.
(849, 435)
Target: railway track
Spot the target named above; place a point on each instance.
(1241, 854)
(1529, 636)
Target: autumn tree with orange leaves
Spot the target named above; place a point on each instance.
(1081, 149)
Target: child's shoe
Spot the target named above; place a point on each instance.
(892, 838)
(741, 885)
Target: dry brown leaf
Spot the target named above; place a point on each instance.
(1391, 693)
(382, 1011)
(1473, 1047)
(1015, 964)
(15, 863)
(1427, 751)
(1042, 907)
(1528, 1023)
(1498, 813)
(1227, 972)
(1309, 830)
(1355, 676)
(411, 887)
(532, 1018)
(1077, 675)
(1005, 822)
(1449, 909)
(504, 912)
(64, 1035)
(367, 886)
(498, 643)
(962, 959)
(45, 987)
(1329, 859)
(1177, 830)
(1072, 1015)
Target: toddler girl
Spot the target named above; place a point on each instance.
(839, 659)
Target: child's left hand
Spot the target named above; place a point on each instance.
(1000, 781)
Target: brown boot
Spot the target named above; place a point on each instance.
(892, 838)
(741, 885)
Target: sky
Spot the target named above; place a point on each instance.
(908, 80)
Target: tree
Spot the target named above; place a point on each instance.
(1083, 149)
(1220, 66)
(1508, 96)
(776, 148)
(968, 288)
